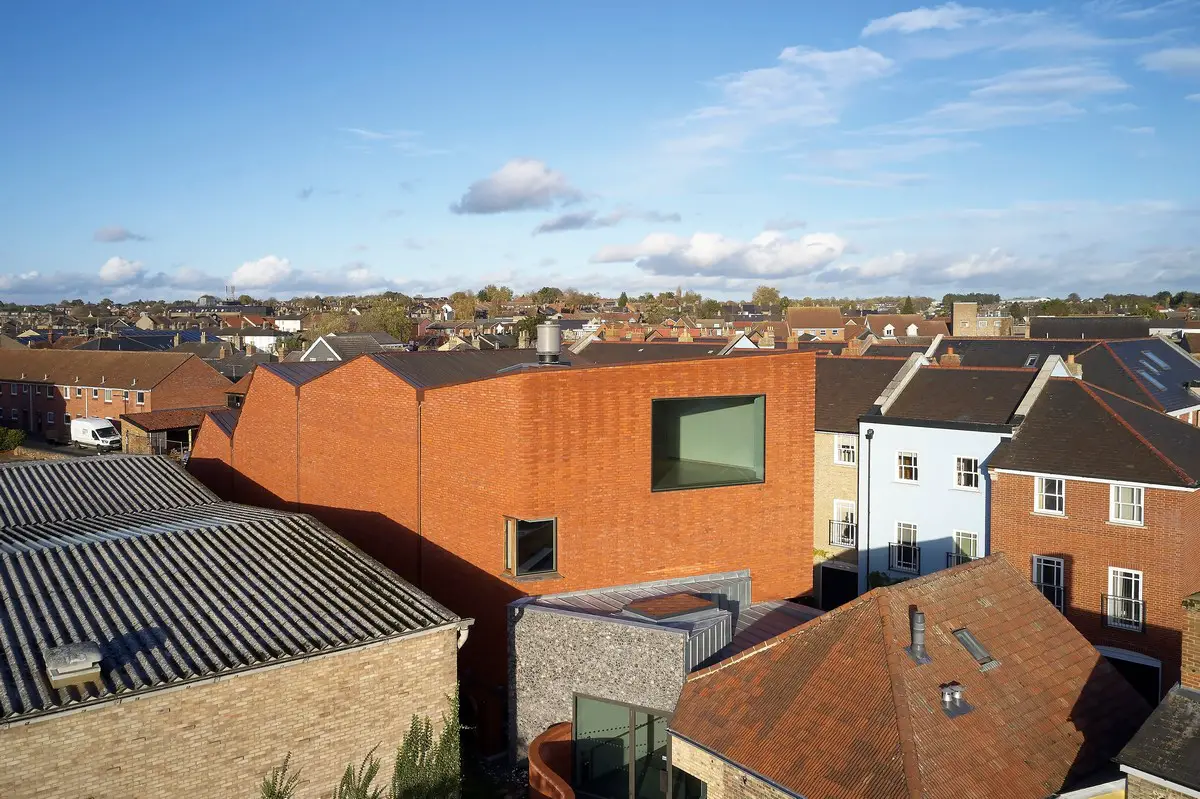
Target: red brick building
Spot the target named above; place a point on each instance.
(483, 478)
(1096, 496)
(42, 390)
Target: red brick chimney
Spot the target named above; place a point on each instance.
(793, 343)
(853, 347)
(1189, 675)
(950, 358)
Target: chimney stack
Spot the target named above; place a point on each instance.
(767, 342)
(178, 339)
(685, 336)
(203, 336)
(1190, 667)
(549, 342)
(638, 336)
(950, 358)
(793, 343)
(1076, 369)
(916, 625)
(853, 347)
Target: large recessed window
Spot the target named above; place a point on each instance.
(530, 546)
(707, 441)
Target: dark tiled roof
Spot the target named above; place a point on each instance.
(599, 352)
(173, 419)
(431, 368)
(1162, 371)
(1168, 744)
(189, 591)
(1013, 352)
(348, 345)
(226, 420)
(847, 388)
(118, 344)
(961, 394)
(836, 708)
(1082, 431)
(1094, 327)
(894, 350)
(1102, 367)
(299, 373)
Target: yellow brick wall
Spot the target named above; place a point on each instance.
(830, 481)
(722, 780)
(217, 740)
(1137, 788)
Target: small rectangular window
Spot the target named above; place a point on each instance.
(49, 417)
(66, 420)
(906, 467)
(1031, 360)
(37, 390)
(1048, 577)
(126, 396)
(1051, 496)
(966, 473)
(78, 392)
(141, 398)
(1124, 606)
(972, 645)
(1125, 504)
(108, 395)
(13, 415)
(966, 548)
(66, 392)
(95, 393)
(24, 389)
(845, 449)
(530, 547)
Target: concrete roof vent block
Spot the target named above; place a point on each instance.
(73, 664)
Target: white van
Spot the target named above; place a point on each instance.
(95, 433)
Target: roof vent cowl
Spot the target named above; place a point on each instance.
(74, 664)
(549, 342)
(916, 649)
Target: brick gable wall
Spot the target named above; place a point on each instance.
(193, 384)
(1089, 544)
(217, 740)
(264, 444)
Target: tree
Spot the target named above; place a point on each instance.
(1017, 311)
(623, 300)
(246, 299)
(765, 296)
(331, 323)
(653, 313)
(391, 318)
(528, 326)
(482, 295)
(907, 307)
(710, 309)
(689, 299)
(547, 294)
(1073, 297)
(463, 303)
(359, 784)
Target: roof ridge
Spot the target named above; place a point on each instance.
(1129, 372)
(1145, 442)
(904, 728)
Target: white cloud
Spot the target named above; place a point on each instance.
(880, 266)
(1174, 60)
(770, 254)
(968, 116)
(523, 184)
(785, 223)
(949, 16)
(870, 180)
(268, 271)
(120, 270)
(993, 261)
(857, 158)
(852, 65)
(593, 220)
(1078, 79)
(407, 142)
(1144, 130)
(1132, 12)
(1195, 98)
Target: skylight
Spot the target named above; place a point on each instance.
(1146, 376)
(976, 649)
(1148, 366)
(1032, 360)
(1157, 360)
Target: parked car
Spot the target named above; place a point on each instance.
(94, 433)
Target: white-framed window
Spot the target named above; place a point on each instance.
(49, 417)
(843, 530)
(141, 398)
(95, 393)
(845, 449)
(889, 331)
(966, 473)
(905, 554)
(12, 388)
(1125, 504)
(966, 547)
(24, 389)
(126, 396)
(37, 390)
(13, 415)
(1031, 361)
(78, 392)
(108, 395)
(1049, 577)
(1124, 608)
(823, 333)
(906, 467)
(1051, 496)
(66, 392)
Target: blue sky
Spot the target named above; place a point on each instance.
(830, 149)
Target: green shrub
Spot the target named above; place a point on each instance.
(10, 439)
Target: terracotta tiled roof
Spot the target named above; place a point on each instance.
(837, 708)
(814, 317)
(90, 368)
(172, 419)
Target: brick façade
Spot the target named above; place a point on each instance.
(1138, 788)
(831, 481)
(721, 780)
(1163, 550)
(422, 480)
(216, 740)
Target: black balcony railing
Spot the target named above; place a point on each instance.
(1124, 613)
(1053, 593)
(904, 558)
(957, 559)
(843, 534)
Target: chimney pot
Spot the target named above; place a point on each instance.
(916, 649)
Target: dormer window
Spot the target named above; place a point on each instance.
(889, 331)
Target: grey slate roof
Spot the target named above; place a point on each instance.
(348, 345)
(1168, 744)
(1162, 370)
(177, 590)
(299, 372)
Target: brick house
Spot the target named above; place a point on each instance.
(821, 322)
(1163, 759)
(160, 642)
(846, 389)
(966, 319)
(42, 390)
(1096, 497)
(484, 478)
(965, 683)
